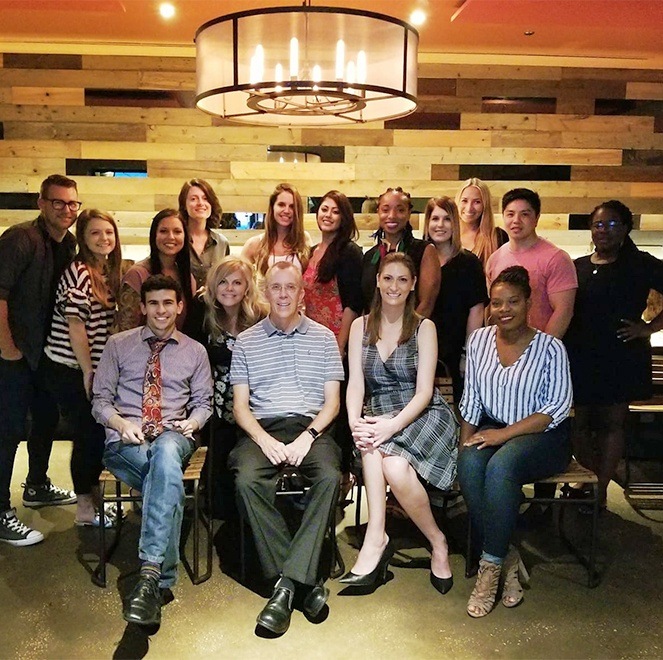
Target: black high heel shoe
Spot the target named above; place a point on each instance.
(443, 585)
(377, 576)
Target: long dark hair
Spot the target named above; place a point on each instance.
(214, 219)
(346, 233)
(410, 317)
(182, 258)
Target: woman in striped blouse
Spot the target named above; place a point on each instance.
(514, 430)
(82, 319)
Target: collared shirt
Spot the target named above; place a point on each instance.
(118, 380)
(28, 269)
(286, 372)
(215, 249)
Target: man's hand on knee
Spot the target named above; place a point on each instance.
(130, 433)
(273, 449)
(297, 450)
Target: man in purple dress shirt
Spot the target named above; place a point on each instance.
(151, 459)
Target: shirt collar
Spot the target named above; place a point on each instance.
(302, 327)
(146, 333)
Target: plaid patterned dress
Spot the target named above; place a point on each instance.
(430, 442)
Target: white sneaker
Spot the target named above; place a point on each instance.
(14, 532)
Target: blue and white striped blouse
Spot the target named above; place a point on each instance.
(539, 381)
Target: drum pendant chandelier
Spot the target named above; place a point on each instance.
(306, 66)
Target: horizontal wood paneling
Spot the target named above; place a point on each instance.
(45, 122)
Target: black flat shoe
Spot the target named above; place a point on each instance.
(144, 604)
(377, 576)
(275, 616)
(315, 600)
(443, 585)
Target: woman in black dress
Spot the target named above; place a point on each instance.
(460, 304)
(607, 341)
(232, 304)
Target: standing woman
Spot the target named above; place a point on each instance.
(460, 305)
(168, 256)
(607, 341)
(332, 296)
(284, 238)
(407, 430)
(478, 233)
(201, 211)
(232, 304)
(514, 430)
(82, 320)
(395, 235)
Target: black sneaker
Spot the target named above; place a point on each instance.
(46, 495)
(14, 532)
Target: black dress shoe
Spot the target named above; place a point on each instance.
(443, 585)
(144, 604)
(275, 616)
(377, 576)
(315, 600)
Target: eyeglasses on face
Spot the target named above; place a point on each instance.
(606, 224)
(59, 204)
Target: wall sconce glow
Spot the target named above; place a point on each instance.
(418, 17)
(306, 66)
(166, 10)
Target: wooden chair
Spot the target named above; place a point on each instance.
(291, 483)
(112, 490)
(574, 474)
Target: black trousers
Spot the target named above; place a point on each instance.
(66, 386)
(22, 389)
(296, 557)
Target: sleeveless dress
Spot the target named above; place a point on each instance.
(430, 442)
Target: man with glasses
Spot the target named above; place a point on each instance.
(286, 373)
(33, 256)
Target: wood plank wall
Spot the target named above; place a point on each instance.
(604, 126)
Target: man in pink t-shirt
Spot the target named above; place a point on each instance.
(551, 271)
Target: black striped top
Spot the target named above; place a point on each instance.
(74, 299)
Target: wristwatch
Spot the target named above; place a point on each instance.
(313, 432)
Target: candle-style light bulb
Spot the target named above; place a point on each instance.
(340, 59)
(294, 58)
(361, 67)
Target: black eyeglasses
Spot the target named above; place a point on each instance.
(59, 204)
(606, 224)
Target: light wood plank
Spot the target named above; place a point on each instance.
(424, 139)
(340, 137)
(31, 166)
(40, 148)
(292, 171)
(48, 95)
(74, 131)
(128, 63)
(138, 150)
(645, 90)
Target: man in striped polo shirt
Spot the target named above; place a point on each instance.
(286, 373)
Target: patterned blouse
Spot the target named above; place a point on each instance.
(220, 355)
(322, 300)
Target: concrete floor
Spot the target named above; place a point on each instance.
(50, 609)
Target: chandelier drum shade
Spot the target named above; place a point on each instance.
(306, 66)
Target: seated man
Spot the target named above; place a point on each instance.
(152, 391)
(286, 373)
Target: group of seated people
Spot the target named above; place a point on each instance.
(304, 354)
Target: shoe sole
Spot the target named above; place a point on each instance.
(276, 631)
(38, 505)
(19, 543)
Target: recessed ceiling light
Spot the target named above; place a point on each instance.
(418, 17)
(167, 10)
(529, 33)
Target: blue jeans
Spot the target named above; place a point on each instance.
(155, 468)
(491, 480)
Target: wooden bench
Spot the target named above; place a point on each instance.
(112, 490)
(574, 474)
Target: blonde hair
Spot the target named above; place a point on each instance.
(448, 206)
(295, 239)
(105, 274)
(410, 317)
(252, 308)
(486, 241)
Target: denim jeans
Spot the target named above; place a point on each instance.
(22, 389)
(491, 480)
(155, 468)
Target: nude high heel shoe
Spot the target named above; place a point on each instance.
(513, 571)
(482, 599)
